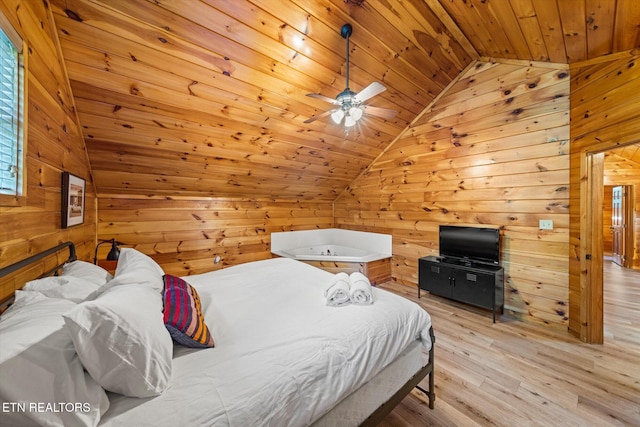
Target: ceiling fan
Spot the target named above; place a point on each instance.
(350, 107)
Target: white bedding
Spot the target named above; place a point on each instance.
(282, 356)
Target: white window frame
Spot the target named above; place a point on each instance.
(19, 198)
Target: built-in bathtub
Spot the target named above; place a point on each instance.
(336, 250)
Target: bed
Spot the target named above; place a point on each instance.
(280, 355)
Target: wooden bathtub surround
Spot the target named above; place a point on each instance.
(376, 271)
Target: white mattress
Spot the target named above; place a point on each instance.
(282, 357)
(356, 408)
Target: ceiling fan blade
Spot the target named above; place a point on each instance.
(370, 91)
(323, 98)
(383, 113)
(319, 116)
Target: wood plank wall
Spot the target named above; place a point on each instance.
(492, 151)
(185, 234)
(54, 144)
(605, 95)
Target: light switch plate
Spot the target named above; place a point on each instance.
(546, 224)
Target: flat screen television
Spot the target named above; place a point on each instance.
(470, 243)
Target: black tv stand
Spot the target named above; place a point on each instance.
(465, 280)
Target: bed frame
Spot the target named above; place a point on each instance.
(374, 419)
(5, 271)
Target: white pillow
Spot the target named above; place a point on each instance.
(39, 367)
(122, 341)
(65, 287)
(136, 267)
(86, 270)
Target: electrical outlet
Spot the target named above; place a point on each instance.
(546, 224)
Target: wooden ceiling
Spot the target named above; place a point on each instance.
(627, 157)
(208, 97)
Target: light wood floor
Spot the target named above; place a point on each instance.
(515, 374)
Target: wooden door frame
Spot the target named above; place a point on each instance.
(591, 241)
(591, 247)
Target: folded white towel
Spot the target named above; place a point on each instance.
(337, 293)
(360, 291)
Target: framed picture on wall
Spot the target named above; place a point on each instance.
(73, 189)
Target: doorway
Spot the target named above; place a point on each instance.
(592, 201)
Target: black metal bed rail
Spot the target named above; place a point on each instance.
(12, 268)
(40, 255)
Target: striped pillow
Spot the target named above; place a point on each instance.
(183, 315)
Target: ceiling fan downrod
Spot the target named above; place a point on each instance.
(349, 109)
(346, 32)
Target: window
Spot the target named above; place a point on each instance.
(11, 113)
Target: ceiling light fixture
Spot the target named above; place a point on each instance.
(350, 106)
(349, 112)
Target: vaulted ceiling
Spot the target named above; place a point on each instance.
(208, 97)
(627, 157)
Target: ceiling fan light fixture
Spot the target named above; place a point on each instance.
(350, 104)
(337, 116)
(349, 121)
(356, 113)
